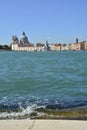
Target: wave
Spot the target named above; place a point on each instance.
(23, 107)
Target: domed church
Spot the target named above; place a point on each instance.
(24, 39)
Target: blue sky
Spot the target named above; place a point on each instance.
(58, 21)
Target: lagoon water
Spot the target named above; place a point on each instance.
(53, 80)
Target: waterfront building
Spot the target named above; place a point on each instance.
(55, 47)
(74, 46)
(23, 44)
(77, 46)
(52, 46)
(83, 45)
(40, 47)
(18, 47)
(24, 39)
(64, 47)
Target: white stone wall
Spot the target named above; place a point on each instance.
(15, 47)
(85, 45)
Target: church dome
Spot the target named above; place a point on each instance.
(15, 39)
(24, 38)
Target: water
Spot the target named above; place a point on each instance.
(52, 80)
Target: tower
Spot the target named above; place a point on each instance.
(76, 40)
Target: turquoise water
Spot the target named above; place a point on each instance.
(50, 79)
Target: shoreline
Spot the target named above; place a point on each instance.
(77, 113)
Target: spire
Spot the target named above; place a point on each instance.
(23, 33)
(76, 40)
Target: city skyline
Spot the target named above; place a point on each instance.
(58, 21)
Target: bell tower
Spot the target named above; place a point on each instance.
(76, 40)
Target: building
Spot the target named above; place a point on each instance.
(77, 46)
(23, 44)
(64, 47)
(83, 45)
(55, 47)
(40, 47)
(18, 47)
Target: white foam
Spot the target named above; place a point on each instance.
(24, 112)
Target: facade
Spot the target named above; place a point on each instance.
(55, 47)
(83, 45)
(64, 47)
(24, 45)
(17, 47)
(77, 46)
(40, 47)
(71, 46)
(74, 46)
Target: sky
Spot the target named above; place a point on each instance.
(57, 21)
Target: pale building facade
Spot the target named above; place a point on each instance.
(64, 47)
(85, 45)
(16, 47)
(24, 45)
(77, 46)
(55, 47)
